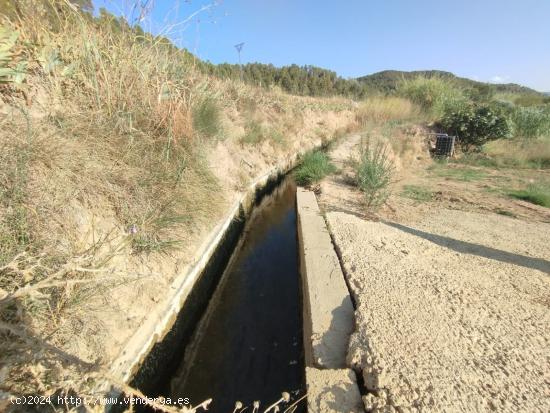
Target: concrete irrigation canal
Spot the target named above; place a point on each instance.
(249, 344)
(265, 308)
(269, 313)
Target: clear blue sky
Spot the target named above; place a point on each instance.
(487, 40)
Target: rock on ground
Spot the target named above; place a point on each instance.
(452, 314)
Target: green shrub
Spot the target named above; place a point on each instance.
(314, 167)
(206, 118)
(373, 174)
(434, 95)
(477, 124)
(531, 122)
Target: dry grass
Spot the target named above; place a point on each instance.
(105, 128)
(103, 153)
(529, 153)
(42, 302)
(127, 104)
(534, 153)
(383, 109)
(538, 194)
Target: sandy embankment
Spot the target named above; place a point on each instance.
(452, 313)
(452, 304)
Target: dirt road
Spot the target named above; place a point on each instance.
(452, 306)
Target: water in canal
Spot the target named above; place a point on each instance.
(249, 344)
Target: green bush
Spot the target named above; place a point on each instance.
(373, 174)
(206, 118)
(531, 122)
(314, 167)
(477, 124)
(434, 95)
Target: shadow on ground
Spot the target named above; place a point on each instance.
(330, 350)
(476, 249)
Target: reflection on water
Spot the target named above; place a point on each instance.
(250, 343)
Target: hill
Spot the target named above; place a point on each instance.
(387, 81)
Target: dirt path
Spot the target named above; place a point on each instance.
(452, 305)
(337, 191)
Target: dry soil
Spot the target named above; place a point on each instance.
(452, 305)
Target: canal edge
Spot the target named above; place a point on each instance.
(160, 322)
(328, 314)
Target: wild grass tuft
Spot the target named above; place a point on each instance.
(373, 174)
(314, 167)
(446, 170)
(277, 137)
(254, 133)
(506, 213)
(156, 233)
(538, 194)
(531, 122)
(383, 109)
(207, 118)
(417, 193)
(525, 153)
(16, 218)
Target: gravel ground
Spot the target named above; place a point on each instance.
(452, 313)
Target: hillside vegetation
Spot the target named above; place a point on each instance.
(314, 81)
(388, 81)
(118, 157)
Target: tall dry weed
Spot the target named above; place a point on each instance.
(383, 109)
(529, 153)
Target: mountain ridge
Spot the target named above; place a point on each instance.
(387, 81)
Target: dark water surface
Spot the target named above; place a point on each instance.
(249, 345)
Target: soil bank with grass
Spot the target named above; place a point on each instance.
(118, 161)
